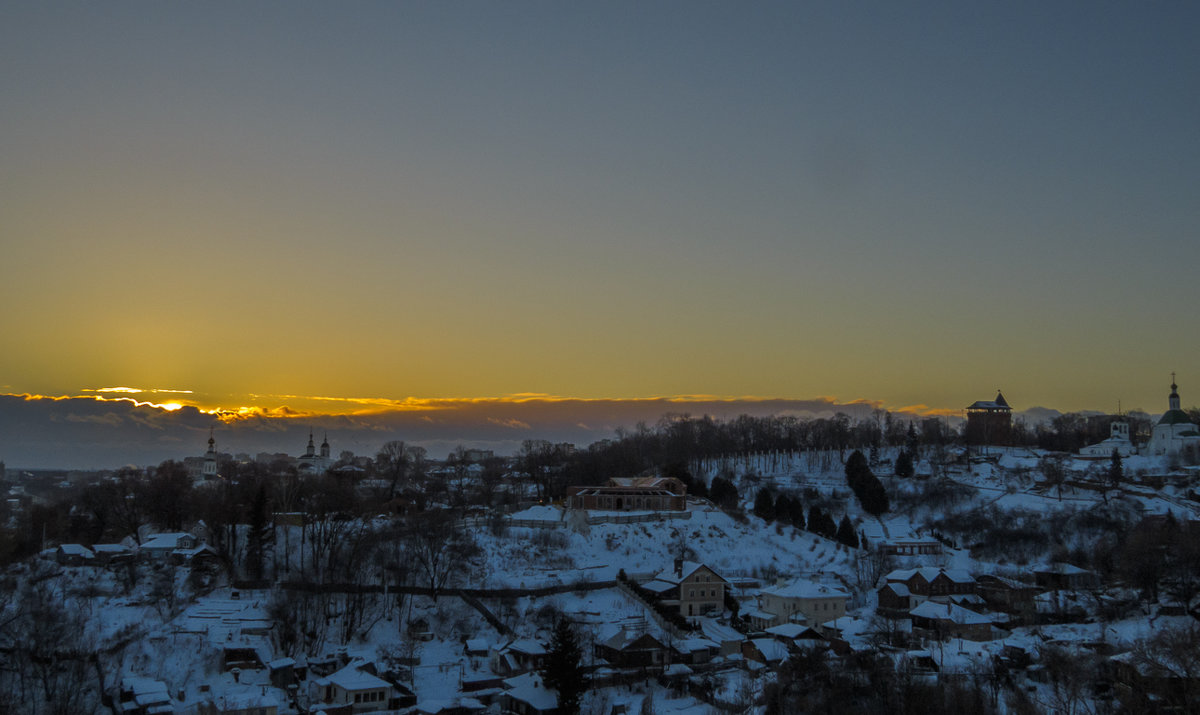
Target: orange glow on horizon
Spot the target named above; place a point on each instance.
(291, 406)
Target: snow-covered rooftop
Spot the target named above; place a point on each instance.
(803, 588)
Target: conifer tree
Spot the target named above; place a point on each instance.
(846, 533)
(764, 505)
(1116, 470)
(564, 668)
(866, 485)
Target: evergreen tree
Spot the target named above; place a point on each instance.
(723, 493)
(912, 441)
(796, 514)
(866, 485)
(563, 671)
(846, 533)
(1116, 469)
(764, 505)
(828, 528)
(821, 523)
(814, 519)
(857, 470)
(257, 532)
(783, 509)
(904, 464)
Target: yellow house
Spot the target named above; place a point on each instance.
(803, 601)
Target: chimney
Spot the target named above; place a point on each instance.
(679, 568)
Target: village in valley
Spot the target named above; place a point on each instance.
(891, 563)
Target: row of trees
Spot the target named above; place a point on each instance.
(788, 509)
(678, 440)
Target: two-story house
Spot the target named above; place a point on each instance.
(929, 582)
(694, 587)
(802, 601)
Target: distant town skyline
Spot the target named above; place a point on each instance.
(344, 210)
(104, 428)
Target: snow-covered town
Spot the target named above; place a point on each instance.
(761, 565)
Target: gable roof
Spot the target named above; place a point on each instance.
(689, 567)
(530, 689)
(525, 645)
(949, 612)
(771, 649)
(168, 541)
(351, 678)
(624, 638)
(77, 550)
(929, 573)
(1062, 568)
(803, 588)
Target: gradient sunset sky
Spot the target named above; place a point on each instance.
(910, 203)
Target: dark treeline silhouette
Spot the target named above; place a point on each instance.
(679, 440)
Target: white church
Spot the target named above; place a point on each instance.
(311, 463)
(1175, 431)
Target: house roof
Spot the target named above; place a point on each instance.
(643, 482)
(146, 690)
(110, 548)
(624, 638)
(657, 586)
(949, 612)
(677, 669)
(802, 588)
(787, 630)
(757, 613)
(351, 678)
(771, 649)
(530, 689)
(477, 645)
(1062, 569)
(671, 576)
(689, 645)
(526, 646)
(929, 573)
(166, 541)
(77, 550)
(899, 588)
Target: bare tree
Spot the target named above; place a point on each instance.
(438, 546)
(392, 463)
(1168, 670)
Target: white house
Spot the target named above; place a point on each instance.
(350, 686)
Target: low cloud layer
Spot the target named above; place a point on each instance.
(102, 432)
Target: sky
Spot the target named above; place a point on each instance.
(249, 205)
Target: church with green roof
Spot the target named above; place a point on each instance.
(1175, 431)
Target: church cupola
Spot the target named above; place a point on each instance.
(1173, 400)
(312, 449)
(325, 448)
(209, 469)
